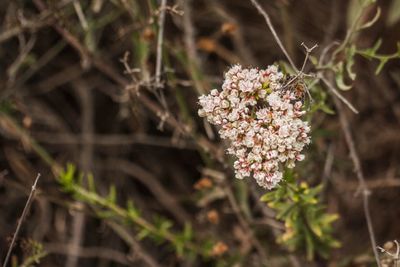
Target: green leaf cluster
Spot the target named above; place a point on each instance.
(307, 225)
(343, 57)
(372, 54)
(158, 230)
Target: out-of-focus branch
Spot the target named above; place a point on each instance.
(360, 176)
(109, 71)
(245, 225)
(21, 219)
(86, 162)
(240, 44)
(69, 37)
(272, 29)
(88, 252)
(160, 38)
(153, 185)
(336, 93)
(136, 248)
(33, 24)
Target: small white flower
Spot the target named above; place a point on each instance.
(225, 104)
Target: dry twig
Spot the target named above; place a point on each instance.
(21, 219)
(360, 176)
(160, 39)
(272, 29)
(336, 93)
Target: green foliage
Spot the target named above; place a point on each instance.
(339, 68)
(320, 99)
(67, 178)
(107, 208)
(343, 57)
(371, 54)
(35, 252)
(307, 225)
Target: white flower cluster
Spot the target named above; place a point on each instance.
(262, 119)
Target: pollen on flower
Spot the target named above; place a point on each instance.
(262, 120)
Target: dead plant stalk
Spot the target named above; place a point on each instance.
(21, 219)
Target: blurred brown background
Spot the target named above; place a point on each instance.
(62, 81)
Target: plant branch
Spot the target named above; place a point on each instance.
(245, 225)
(336, 93)
(160, 39)
(135, 246)
(360, 176)
(24, 212)
(272, 29)
(95, 199)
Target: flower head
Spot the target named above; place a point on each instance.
(262, 120)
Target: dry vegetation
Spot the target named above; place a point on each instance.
(100, 97)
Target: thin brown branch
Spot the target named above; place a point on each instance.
(137, 250)
(308, 52)
(21, 219)
(189, 31)
(84, 92)
(32, 24)
(165, 198)
(68, 36)
(190, 44)
(360, 176)
(272, 29)
(25, 49)
(328, 166)
(245, 225)
(160, 39)
(81, 15)
(239, 42)
(336, 93)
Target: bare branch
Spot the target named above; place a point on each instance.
(160, 38)
(337, 94)
(21, 219)
(308, 52)
(272, 29)
(81, 15)
(360, 176)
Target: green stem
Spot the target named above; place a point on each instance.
(123, 213)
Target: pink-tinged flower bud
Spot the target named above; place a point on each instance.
(300, 157)
(202, 113)
(214, 92)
